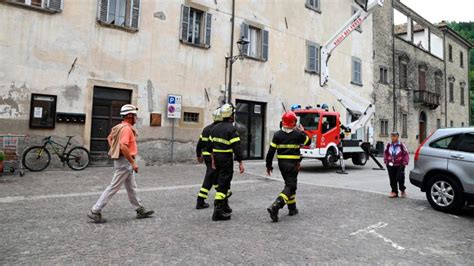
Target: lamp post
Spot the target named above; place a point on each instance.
(229, 61)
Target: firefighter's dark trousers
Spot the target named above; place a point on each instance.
(289, 171)
(209, 178)
(224, 171)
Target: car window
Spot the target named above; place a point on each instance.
(309, 121)
(445, 143)
(329, 122)
(466, 143)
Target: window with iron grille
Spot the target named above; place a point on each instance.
(383, 127)
(404, 125)
(191, 117)
(451, 92)
(314, 5)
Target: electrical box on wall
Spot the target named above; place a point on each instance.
(43, 111)
(155, 119)
(71, 118)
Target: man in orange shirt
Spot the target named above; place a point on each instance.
(123, 149)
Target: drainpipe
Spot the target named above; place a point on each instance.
(229, 86)
(394, 93)
(445, 82)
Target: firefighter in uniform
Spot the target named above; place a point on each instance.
(203, 154)
(225, 143)
(286, 142)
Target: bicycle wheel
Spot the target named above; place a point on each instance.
(36, 158)
(78, 158)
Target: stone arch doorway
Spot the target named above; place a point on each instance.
(422, 126)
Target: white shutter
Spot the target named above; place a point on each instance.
(207, 33)
(134, 13)
(56, 5)
(103, 8)
(244, 32)
(185, 10)
(265, 45)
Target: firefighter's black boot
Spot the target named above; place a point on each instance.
(292, 210)
(275, 207)
(226, 206)
(219, 214)
(201, 204)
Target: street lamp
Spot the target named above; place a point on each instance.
(230, 60)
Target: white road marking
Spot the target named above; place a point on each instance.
(96, 193)
(370, 230)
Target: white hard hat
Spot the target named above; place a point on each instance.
(128, 109)
(227, 110)
(216, 115)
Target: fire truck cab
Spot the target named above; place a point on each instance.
(324, 129)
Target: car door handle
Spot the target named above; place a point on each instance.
(457, 156)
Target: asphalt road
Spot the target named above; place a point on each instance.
(43, 221)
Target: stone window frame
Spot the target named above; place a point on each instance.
(422, 68)
(403, 79)
(404, 118)
(461, 59)
(47, 6)
(450, 95)
(438, 123)
(262, 40)
(383, 75)
(383, 127)
(438, 79)
(450, 53)
(462, 86)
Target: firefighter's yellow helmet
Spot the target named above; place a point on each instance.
(227, 110)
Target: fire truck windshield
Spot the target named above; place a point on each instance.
(309, 121)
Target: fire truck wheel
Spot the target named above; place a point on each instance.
(330, 159)
(359, 158)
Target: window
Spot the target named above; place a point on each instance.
(312, 57)
(356, 71)
(329, 122)
(258, 42)
(50, 5)
(120, 13)
(314, 5)
(445, 143)
(383, 127)
(461, 59)
(383, 73)
(451, 92)
(438, 123)
(466, 143)
(450, 53)
(451, 123)
(403, 74)
(191, 117)
(309, 121)
(195, 26)
(422, 78)
(462, 95)
(438, 79)
(404, 125)
(353, 11)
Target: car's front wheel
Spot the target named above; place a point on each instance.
(444, 194)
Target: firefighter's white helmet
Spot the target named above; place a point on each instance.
(128, 109)
(227, 110)
(216, 115)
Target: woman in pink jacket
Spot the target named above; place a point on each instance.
(396, 158)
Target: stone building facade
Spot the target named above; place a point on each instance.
(419, 87)
(68, 66)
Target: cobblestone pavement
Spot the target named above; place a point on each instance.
(43, 222)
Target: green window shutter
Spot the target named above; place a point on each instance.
(56, 5)
(208, 29)
(244, 32)
(135, 13)
(184, 23)
(265, 45)
(103, 10)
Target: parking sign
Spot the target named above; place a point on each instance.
(174, 106)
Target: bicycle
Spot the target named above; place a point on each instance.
(37, 158)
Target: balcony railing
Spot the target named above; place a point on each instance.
(427, 98)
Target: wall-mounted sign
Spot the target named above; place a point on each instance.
(43, 111)
(174, 106)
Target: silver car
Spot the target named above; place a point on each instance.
(444, 168)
